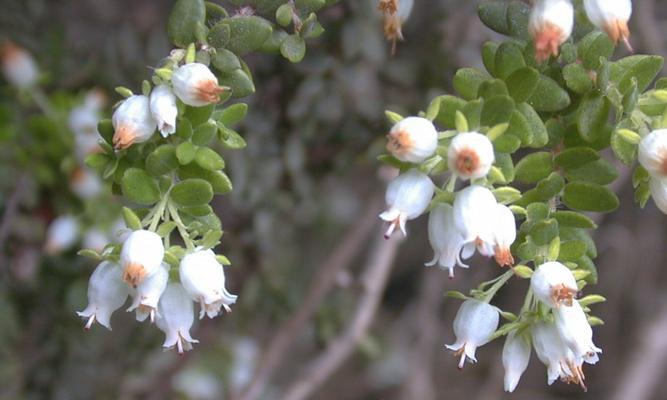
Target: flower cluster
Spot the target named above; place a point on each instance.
(142, 273)
(551, 22)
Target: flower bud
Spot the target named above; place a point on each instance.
(175, 317)
(148, 294)
(611, 16)
(412, 139)
(196, 85)
(504, 233)
(559, 359)
(516, 355)
(407, 197)
(652, 153)
(85, 183)
(445, 239)
(658, 188)
(470, 155)
(550, 24)
(62, 233)
(106, 294)
(474, 208)
(163, 109)
(132, 122)
(203, 278)
(18, 66)
(474, 324)
(554, 284)
(141, 256)
(575, 331)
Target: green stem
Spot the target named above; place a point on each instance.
(159, 211)
(451, 185)
(182, 230)
(528, 301)
(496, 286)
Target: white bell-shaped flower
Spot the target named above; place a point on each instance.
(196, 85)
(106, 294)
(611, 16)
(147, 294)
(395, 13)
(550, 24)
(141, 256)
(408, 196)
(659, 193)
(203, 278)
(560, 361)
(175, 318)
(85, 183)
(445, 239)
(516, 355)
(554, 284)
(62, 234)
(573, 327)
(18, 66)
(413, 139)
(163, 109)
(475, 209)
(132, 122)
(652, 153)
(504, 233)
(474, 324)
(470, 155)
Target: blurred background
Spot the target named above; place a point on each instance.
(326, 306)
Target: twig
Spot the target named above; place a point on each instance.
(353, 240)
(374, 280)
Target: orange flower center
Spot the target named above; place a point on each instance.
(209, 91)
(547, 41)
(399, 142)
(134, 274)
(562, 294)
(124, 137)
(503, 256)
(467, 161)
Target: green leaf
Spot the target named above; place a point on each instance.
(139, 187)
(473, 113)
(132, 221)
(577, 78)
(211, 239)
(467, 81)
(548, 96)
(576, 157)
(586, 196)
(105, 128)
(624, 150)
(586, 264)
(219, 35)
(208, 159)
(518, 13)
(246, 33)
(204, 133)
(507, 144)
(198, 115)
(593, 46)
(494, 15)
(522, 83)
(183, 21)
(284, 15)
(574, 219)
(489, 56)
(184, 128)
(215, 12)
(643, 68)
(165, 228)
(509, 58)
(219, 180)
(461, 123)
(601, 172)
(539, 133)
(572, 250)
(162, 160)
(592, 117)
(192, 192)
(230, 138)
(534, 167)
(97, 161)
(238, 81)
(185, 153)
(293, 48)
(232, 115)
(497, 110)
(492, 88)
(225, 61)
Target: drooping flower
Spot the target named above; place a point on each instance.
(106, 294)
(504, 233)
(18, 66)
(132, 122)
(652, 153)
(62, 233)
(407, 197)
(516, 355)
(395, 13)
(611, 16)
(658, 188)
(475, 209)
(560, 361)
(470, 155)
(445, 239)
(141, 256)
(576, 332)
(474, 324)
(196, 85)
(163, 109)
(413, 139)
(175, 318)
(554, 284)
(550, 24)
(203, 278)
(148, 293)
